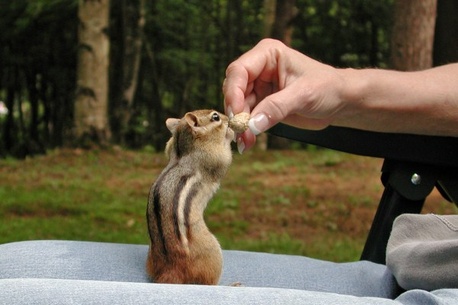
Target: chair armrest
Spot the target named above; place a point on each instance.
(433, 150)
(432, 160)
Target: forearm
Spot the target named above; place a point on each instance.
(423, 102)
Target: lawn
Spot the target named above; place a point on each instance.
(314, 202)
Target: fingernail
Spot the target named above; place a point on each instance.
(258, 123)
(230, 114)
(240, 145)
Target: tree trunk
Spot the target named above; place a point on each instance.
(133, 21)
(413, 34)
(9, 130)
(34, 143)
(446, 33)
(234, 28)
(91, 104)
(156, 114)
(269, 16)
(282, 28)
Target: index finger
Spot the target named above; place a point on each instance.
(235, 88)
(241, 74)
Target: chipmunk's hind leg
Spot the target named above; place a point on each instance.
(170, 277)
(161, 272)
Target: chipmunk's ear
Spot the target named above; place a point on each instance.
(193, 122)
(172, 124)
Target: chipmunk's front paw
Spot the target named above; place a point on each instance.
(236, 284)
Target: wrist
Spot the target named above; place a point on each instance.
(353, 96)
(394, 101)
(373, 100)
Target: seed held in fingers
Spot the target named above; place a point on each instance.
(239, 122)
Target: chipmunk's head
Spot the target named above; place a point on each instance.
(203, 130)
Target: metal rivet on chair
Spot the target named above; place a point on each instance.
(415, 179)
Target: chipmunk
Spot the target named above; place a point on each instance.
(182, 249)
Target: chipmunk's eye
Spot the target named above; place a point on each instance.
(215, 117)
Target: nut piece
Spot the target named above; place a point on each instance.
(239, 122)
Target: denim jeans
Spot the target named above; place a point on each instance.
(69, 272)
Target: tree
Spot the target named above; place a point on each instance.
(91, 103)
(131, 24)
(413, 34)
(186, 47)
(37, 74)
(282, 28)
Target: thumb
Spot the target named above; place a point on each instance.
(273, 109)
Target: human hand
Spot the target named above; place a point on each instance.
(275, 83)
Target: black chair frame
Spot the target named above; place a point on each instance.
(413, 165)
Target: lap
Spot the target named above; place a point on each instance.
(126, 263)
(106, 271)
(42, 291)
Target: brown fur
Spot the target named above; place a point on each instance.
(182, 249)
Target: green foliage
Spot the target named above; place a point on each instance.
(37, 81)
(345, 33)
(187, 46)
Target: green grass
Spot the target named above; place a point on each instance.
(317, 203)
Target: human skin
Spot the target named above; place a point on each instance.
(275, 83)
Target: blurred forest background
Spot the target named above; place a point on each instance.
(100, 72)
